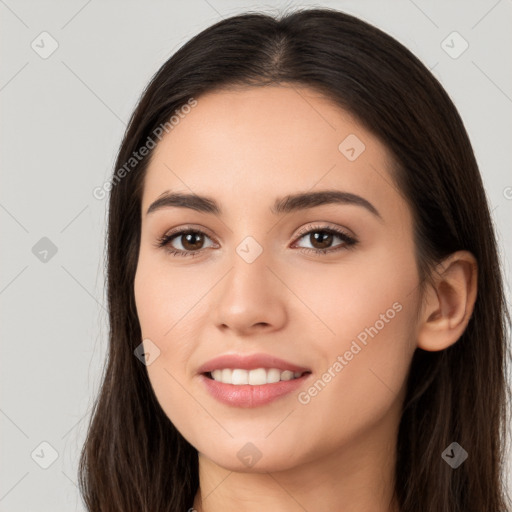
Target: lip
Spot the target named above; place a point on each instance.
(249, 362)
(246, 395)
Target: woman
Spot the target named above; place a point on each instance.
(362, 371)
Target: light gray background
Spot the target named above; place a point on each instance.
(62, 119)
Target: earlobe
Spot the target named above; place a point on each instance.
(448, 302)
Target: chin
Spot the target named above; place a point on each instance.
(273, 464)
(258, 456)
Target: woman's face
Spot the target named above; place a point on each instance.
(327, 285)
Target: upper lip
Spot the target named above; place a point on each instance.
(249, 362)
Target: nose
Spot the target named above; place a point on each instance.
(250, 298)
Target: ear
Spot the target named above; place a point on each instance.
(448, 303)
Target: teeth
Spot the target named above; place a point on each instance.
(225, 375)
(287, 375)
(240, 377)
(256, 377)
(273, 375)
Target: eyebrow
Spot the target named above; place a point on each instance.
(287, 204)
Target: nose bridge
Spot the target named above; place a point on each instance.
(251, 243)
(251, 294)
(249, 274)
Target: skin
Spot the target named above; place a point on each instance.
(245, 148)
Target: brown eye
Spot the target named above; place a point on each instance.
(322, 237)
(191, 241)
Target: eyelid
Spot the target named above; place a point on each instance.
(324, 225)
(188, 227)
(349, 241)
(163, 241)
(319, 225)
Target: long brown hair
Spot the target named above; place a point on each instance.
(134, 459)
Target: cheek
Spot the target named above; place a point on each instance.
(345, 299)
(167, 316)
(167, 299)
(372, 311)
(361, 378)
(368, 317)
(171, 308)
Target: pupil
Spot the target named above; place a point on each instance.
(320, 235)
(191, 236)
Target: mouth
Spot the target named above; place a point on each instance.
(254, 377)
(251, 380)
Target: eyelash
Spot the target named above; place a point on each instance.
(349, 241)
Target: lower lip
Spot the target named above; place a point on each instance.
(247, 395)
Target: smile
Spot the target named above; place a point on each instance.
(256, 377)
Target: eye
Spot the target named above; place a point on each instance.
(191, 240)
(321, 237)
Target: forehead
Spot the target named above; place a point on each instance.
(241, 144)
